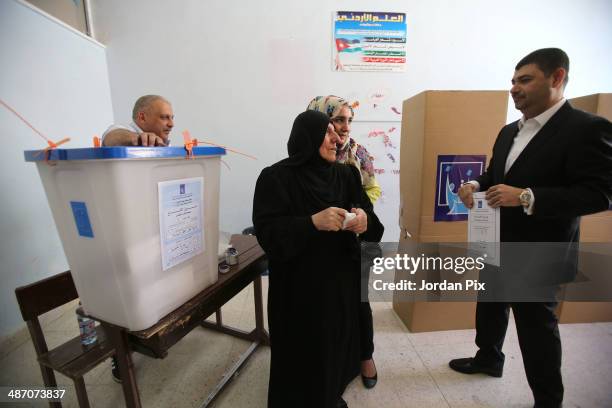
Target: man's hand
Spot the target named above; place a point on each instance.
(359, 224)
(124, 137)
(466, 193)
(148, 139)
(502, 195)
(329, 219)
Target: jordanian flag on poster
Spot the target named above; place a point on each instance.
(345, 45)
(369, 41)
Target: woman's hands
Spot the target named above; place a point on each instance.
(358, 224)
(331, 219)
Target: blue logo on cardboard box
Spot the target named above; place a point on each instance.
(452, 171)
(81, 219)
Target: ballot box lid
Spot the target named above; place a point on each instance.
(119, 152)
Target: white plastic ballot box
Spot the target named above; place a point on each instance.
(139, 226)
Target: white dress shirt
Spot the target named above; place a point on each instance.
(132, 127)
(528, 128)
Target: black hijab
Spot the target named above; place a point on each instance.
(318, 179)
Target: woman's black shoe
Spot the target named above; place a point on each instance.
(369, 382)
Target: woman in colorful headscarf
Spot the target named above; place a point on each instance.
(349, 151)
(299, 208)
(352, 153)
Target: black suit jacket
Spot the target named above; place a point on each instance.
(567, 165)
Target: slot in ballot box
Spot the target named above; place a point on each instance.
(139, 226)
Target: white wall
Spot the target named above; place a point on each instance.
(239, 72)
(58, 80)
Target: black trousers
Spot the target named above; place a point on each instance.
(366, 323)
(538, 335)
(366, 331)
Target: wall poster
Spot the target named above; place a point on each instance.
(369, 41)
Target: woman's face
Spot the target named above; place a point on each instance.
(327, 150)
(342, 123)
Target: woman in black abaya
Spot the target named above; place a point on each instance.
(314, 294)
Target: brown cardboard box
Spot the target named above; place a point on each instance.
(593, 228)
(432, 316)
(584, 312)
(597, 104)
(436, 123)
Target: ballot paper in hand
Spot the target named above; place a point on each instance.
(483, 230)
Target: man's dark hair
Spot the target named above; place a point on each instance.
(547, 60)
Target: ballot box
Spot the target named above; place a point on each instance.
(139, 225)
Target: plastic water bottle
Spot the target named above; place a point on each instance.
(87, 328)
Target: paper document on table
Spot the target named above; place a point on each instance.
(483, 230)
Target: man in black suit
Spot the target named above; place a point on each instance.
(547, 169)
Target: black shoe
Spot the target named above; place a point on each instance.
(115, 370)
(469, 366)
(369, 382)
(341, 403)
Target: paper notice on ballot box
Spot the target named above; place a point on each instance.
(483, 230)
(180, 220)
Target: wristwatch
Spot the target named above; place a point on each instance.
(525, 198)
